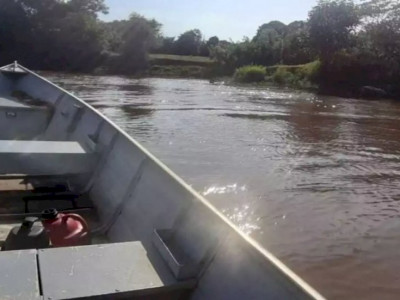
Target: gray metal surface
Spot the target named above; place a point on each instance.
(23, 123)
(18, 275)
(9, 102)
(96, 270)
(13, 68)
(44, 158)
(19, 120)
(34, 147)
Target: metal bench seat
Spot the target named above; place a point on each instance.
(50, 158)
(106, 271)
(9, 102)
(19, 278)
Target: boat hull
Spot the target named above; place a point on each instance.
(137, 195)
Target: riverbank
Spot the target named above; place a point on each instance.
(313, 77)
(308, 77)
(179, 66)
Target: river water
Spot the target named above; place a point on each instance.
(316, 180)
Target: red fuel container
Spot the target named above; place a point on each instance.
(65, 230)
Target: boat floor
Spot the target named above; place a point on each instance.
(12, 208)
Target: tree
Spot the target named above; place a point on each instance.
(204, 50)
(382, 28)
(379, 38)
(385, 38)
(213, 41)
(189, 42)
(331, 24)
(92, 7)
(269, 43)
(167, 45)
(76, 45)
(51, 34)
(113, 32)
(139, 37)
(296, 44)
(264, 30)
(14, 31)
(375, 11)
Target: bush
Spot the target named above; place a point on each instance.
(283, 76)
(310, 71)
(297, 76)
(251, 73)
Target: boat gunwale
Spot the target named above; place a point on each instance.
(297, 280)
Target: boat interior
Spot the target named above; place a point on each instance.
(38, 173)
(150, 235)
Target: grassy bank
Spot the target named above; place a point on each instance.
(169, 59)
(250, 73)
(304, 76)
(179, 66)
(297, 76)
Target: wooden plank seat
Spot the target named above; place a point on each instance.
(50, 158)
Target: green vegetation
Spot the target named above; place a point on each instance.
(299, 76)
(68, 36)
(175, 66)
(356, 45)
(169, 59)
(343, 46)
(178, 71)
(251, 73)
(190, 43)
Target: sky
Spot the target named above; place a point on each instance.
(227, 19)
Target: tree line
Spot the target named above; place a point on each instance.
(68, 35)
(356, 43)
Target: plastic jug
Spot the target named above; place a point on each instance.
(65, 230)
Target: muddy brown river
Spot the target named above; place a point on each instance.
(314, 179)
